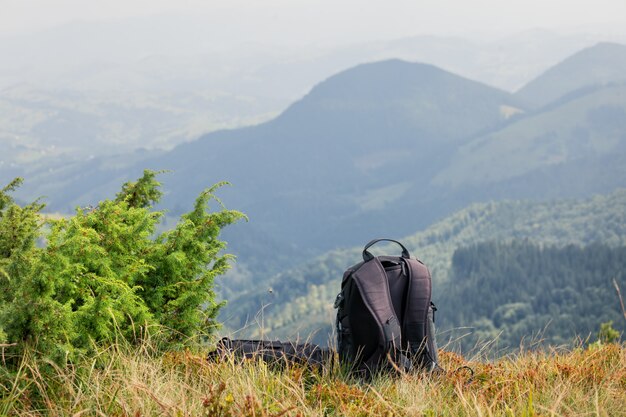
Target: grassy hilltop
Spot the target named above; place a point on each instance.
(120, 381)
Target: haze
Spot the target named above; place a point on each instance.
(326, 21)
(81, 78)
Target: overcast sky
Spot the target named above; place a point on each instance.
(335, 21)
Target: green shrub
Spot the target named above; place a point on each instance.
(104, 273)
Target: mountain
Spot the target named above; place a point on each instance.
(582, 136)
(379, 149)
(601, 64)
(300, 301)
(89, 89)
(323, 173)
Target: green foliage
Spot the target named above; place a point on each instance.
(19, 229)
(103, 274)
(607, 333)
(184, 263)
(141, 193)
(523, 293)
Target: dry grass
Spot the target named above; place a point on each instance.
(121, 381)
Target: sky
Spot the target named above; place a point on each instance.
(333, 21)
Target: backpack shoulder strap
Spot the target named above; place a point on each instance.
(415, 323)
(371, 280)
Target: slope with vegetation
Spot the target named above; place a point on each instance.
(522, 293)
(300, 301)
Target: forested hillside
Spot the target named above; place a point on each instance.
(299, 301)
(523, 293)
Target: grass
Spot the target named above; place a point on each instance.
(125, 381)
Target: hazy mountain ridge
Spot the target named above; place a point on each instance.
(358, 132)
(600, 64)
(333, 144)
(333, 116)
(123, 75)
(420, 94)
(157, 51)
(39, 125)
(589, 125)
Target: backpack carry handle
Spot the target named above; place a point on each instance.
(368, 256)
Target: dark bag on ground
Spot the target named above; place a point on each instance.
(272, 352)
(385, 317)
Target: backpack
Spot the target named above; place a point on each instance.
(385, 317)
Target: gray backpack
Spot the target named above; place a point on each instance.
(385, 317)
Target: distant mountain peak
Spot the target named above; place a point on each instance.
(603, 63)
(413, 102)
(392, 75)
(605, 46)
(414, 92)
